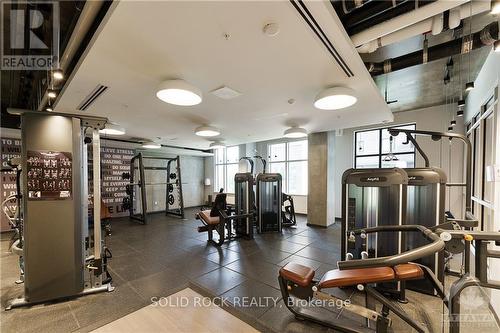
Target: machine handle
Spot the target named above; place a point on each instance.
(401, 258)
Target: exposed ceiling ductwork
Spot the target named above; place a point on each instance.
(448, 20)
(404, 20)
(485, 37)
(377, 12)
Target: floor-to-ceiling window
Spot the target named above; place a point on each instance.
(374, 148)
(482, 134)
(226, 166)
(290, 160)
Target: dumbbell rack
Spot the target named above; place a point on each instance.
(137, 187)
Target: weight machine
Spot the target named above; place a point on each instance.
(138, 184)
(53, 194)
(425, 206)
(373, 198)
(269, 198)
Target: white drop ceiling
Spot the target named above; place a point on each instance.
(216, 44)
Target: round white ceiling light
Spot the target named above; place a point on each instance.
(179, 92)
(112, 129)
(151, 145)
(335, 98)
(216, 145)
(295, 132)
(58, 74)
(206, 131)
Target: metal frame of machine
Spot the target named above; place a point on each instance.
(396, 180)
(265, 216)
(244, 203)
(46, 220)
(431, 204)
(172, 183)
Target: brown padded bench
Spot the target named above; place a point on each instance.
(204, 215)
(303, 275)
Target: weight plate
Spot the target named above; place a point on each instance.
(173, 176)
(171, 199)
(170, 188)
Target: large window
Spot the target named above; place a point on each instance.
(375, 149)
(290, 160)
(482, 135)
(226, 166)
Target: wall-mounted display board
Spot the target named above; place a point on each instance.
(114, 162)
(49, 175)
(10, 148)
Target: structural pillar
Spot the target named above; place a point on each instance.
(320, 199)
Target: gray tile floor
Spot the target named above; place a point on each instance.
(167, 255)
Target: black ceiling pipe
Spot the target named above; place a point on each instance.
(370, 10)
(356, 25)
(485, 37)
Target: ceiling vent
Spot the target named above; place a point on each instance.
(306, 15)
(226, 93)
(87, 102)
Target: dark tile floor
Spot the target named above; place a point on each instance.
(168, 255)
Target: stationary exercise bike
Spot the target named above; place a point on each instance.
(288, 217)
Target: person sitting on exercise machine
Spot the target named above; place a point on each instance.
(220, 219)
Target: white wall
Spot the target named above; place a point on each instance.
(192, 174)
(433, 119)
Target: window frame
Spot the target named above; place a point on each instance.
(224, 165)
(287, 161)
(380, 153)
(476, 133)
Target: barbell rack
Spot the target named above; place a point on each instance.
(141, 192)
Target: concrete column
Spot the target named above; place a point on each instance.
(320, 200)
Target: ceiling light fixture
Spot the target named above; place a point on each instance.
(58, 74)
(453, 122)
(461, 103)
(295, 132)
(460, 113)
(450, 128)
(335, 98)
(206, 131)
(217, 145)
(151, 145)
(51, 93)
(496, 45)
(495, 7)
(112, 129)
(469, 86)
(49, 109)
(179, 92)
